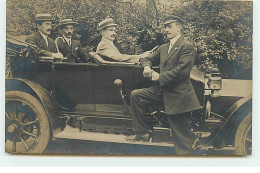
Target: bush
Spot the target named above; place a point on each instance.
(221, 30)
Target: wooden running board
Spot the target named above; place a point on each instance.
(74, 133)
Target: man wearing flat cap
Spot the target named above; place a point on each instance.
(173, 88)
(70, 48)
(41, 38)
(106, 47)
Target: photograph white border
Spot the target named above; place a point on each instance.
(86, 160)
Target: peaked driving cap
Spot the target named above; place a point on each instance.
(172, 19)
(67, 22)
(106, 23)
(43, 17)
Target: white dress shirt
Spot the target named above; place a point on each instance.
(45, 37)
(68, 40)
(172, 42)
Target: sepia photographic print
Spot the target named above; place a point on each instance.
(129, 77)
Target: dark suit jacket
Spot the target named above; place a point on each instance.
(178, 93)
(74, 52)
(37, 39)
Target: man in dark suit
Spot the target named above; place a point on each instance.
(173, 88)
(41, 38)
(69, 47)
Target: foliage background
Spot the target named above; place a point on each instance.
(221, 30)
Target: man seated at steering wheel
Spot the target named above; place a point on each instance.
(106, 47)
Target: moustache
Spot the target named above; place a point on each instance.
(48, 30)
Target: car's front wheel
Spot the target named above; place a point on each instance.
(27, 128)
(243, 138)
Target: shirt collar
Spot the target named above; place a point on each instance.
(67, 39)
(43, 35)
(173, 40)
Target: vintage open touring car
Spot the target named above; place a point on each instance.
(48, 99)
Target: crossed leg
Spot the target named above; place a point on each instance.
(140, 99)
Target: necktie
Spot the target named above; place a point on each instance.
(69, 42)
(46, 40)
(170, 47)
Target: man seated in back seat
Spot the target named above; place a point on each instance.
(41, 37)
(69, 47)
(107, 48)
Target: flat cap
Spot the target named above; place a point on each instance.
(67, 22)
(105, 23)
(172, 19)
(43, 17)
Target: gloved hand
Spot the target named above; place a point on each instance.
(147, 71)
(57, 55)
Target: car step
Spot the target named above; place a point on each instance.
(74, 133)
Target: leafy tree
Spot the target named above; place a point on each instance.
(221, 30)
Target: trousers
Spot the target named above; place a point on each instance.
(179, 124)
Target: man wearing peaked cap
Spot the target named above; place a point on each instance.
(173, 89)
(41, 38)
(106, 47)
(69, 47)
(172, 19)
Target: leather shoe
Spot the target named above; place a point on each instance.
(138, 137)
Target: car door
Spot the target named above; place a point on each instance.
(73, 86)
(88, 88)
(106, 95)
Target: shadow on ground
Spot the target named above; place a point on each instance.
(78, 147)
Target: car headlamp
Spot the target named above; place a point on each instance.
(214, 79)
(214, 83)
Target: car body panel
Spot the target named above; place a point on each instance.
(17, 84)
(85, 95)
(72, 86)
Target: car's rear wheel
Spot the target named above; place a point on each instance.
(243, 139)
(27, 126)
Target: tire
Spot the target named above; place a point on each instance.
(27, 125)
(243, 138)
(8, 71)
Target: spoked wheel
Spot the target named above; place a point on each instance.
(27, 128)
(243, 139)
(8, 71)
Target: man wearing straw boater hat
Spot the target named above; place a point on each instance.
(41, 37)
(106, 47)
(69, 47)
(173, 89)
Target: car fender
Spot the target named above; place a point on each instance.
(41, 94)
(234, 116)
